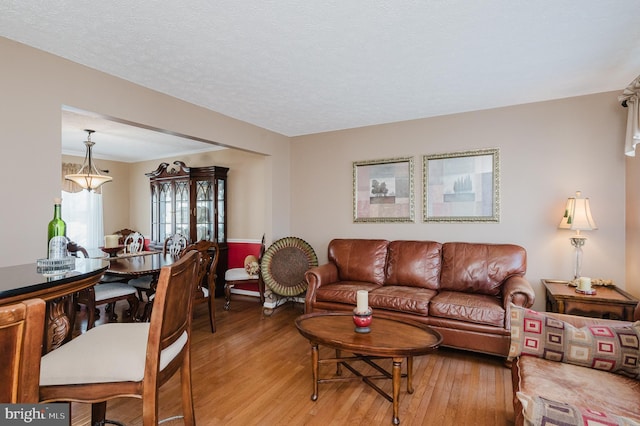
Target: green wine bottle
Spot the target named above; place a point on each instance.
(57, 227)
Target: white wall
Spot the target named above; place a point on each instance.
(548, 150)
(34, 86)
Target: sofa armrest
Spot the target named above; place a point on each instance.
(316, 277)
(516, 290)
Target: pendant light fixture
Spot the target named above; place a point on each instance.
(88, 177)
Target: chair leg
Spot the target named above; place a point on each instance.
(111, 309)
(98, 413)
(212, 311)
(133, 307)
(150, 406)
(187, 393)
(146, 312)
(227, 296)
(261, 289)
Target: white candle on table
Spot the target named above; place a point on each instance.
(111, 241)
(363, 301)
(585, 283)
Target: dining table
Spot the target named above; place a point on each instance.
(56, 288)
(143, 264)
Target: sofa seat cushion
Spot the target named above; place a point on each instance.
(579, 386)
(343, 291)
(414, 300)
(478, 308)
(414, 264)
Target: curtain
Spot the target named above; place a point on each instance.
(630, 98)
(82, 212)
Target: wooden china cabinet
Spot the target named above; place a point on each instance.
(191, 201)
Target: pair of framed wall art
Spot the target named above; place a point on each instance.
(457, 187)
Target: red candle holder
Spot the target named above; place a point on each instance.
(362, 320)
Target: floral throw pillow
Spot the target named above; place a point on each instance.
(541, 411)
(614, 349)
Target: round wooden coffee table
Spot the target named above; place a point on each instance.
(388, 338)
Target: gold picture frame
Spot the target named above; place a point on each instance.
(462, 186)
(383, 191)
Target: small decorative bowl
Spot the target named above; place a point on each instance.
(112, 251)
(362, 320)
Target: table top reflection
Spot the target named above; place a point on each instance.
(24, 281)
(140, 265)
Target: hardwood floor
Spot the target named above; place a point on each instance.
(256, 370)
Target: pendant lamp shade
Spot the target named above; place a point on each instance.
(88, 177)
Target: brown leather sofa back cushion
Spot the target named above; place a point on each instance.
(414, 264)
(359, 260)
(480, 268)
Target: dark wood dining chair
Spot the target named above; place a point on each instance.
(174, 245)
(21, 334)
(104, 293)
(134, 243)
(205, 289)
(130, 359)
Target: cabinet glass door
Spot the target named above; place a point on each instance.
(221, 211)
(165, 205)
(182, 208)
(204, 210)
(155, 213)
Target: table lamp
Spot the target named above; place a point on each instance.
(577, 217)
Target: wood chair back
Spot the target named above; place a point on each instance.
(134, 243)
(21, 334)
(175, 244)
(171, 318)
(206, 275)
(123, 233)
(73, 248)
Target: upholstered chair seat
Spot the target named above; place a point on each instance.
(123, 362)
(238, 274)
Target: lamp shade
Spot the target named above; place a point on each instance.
(88, 177)
(577, 215)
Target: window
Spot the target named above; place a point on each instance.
(82, 212)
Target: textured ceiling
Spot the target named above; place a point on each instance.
(301, 67)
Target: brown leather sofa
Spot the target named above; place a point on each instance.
(463, 290)
(575, 385)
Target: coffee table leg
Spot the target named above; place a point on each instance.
(397, 374)
(314, 370)
(409, 374)
(338, 364)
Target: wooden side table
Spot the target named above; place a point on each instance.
(609, 302)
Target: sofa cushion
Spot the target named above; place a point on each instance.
(343, 291)
(579, 386)
(477, 308)
(359, 259)
(538, 410)
(413, 300)
(414, 264)
(603, 347)
(480, 268)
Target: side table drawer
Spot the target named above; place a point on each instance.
(594, 310)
